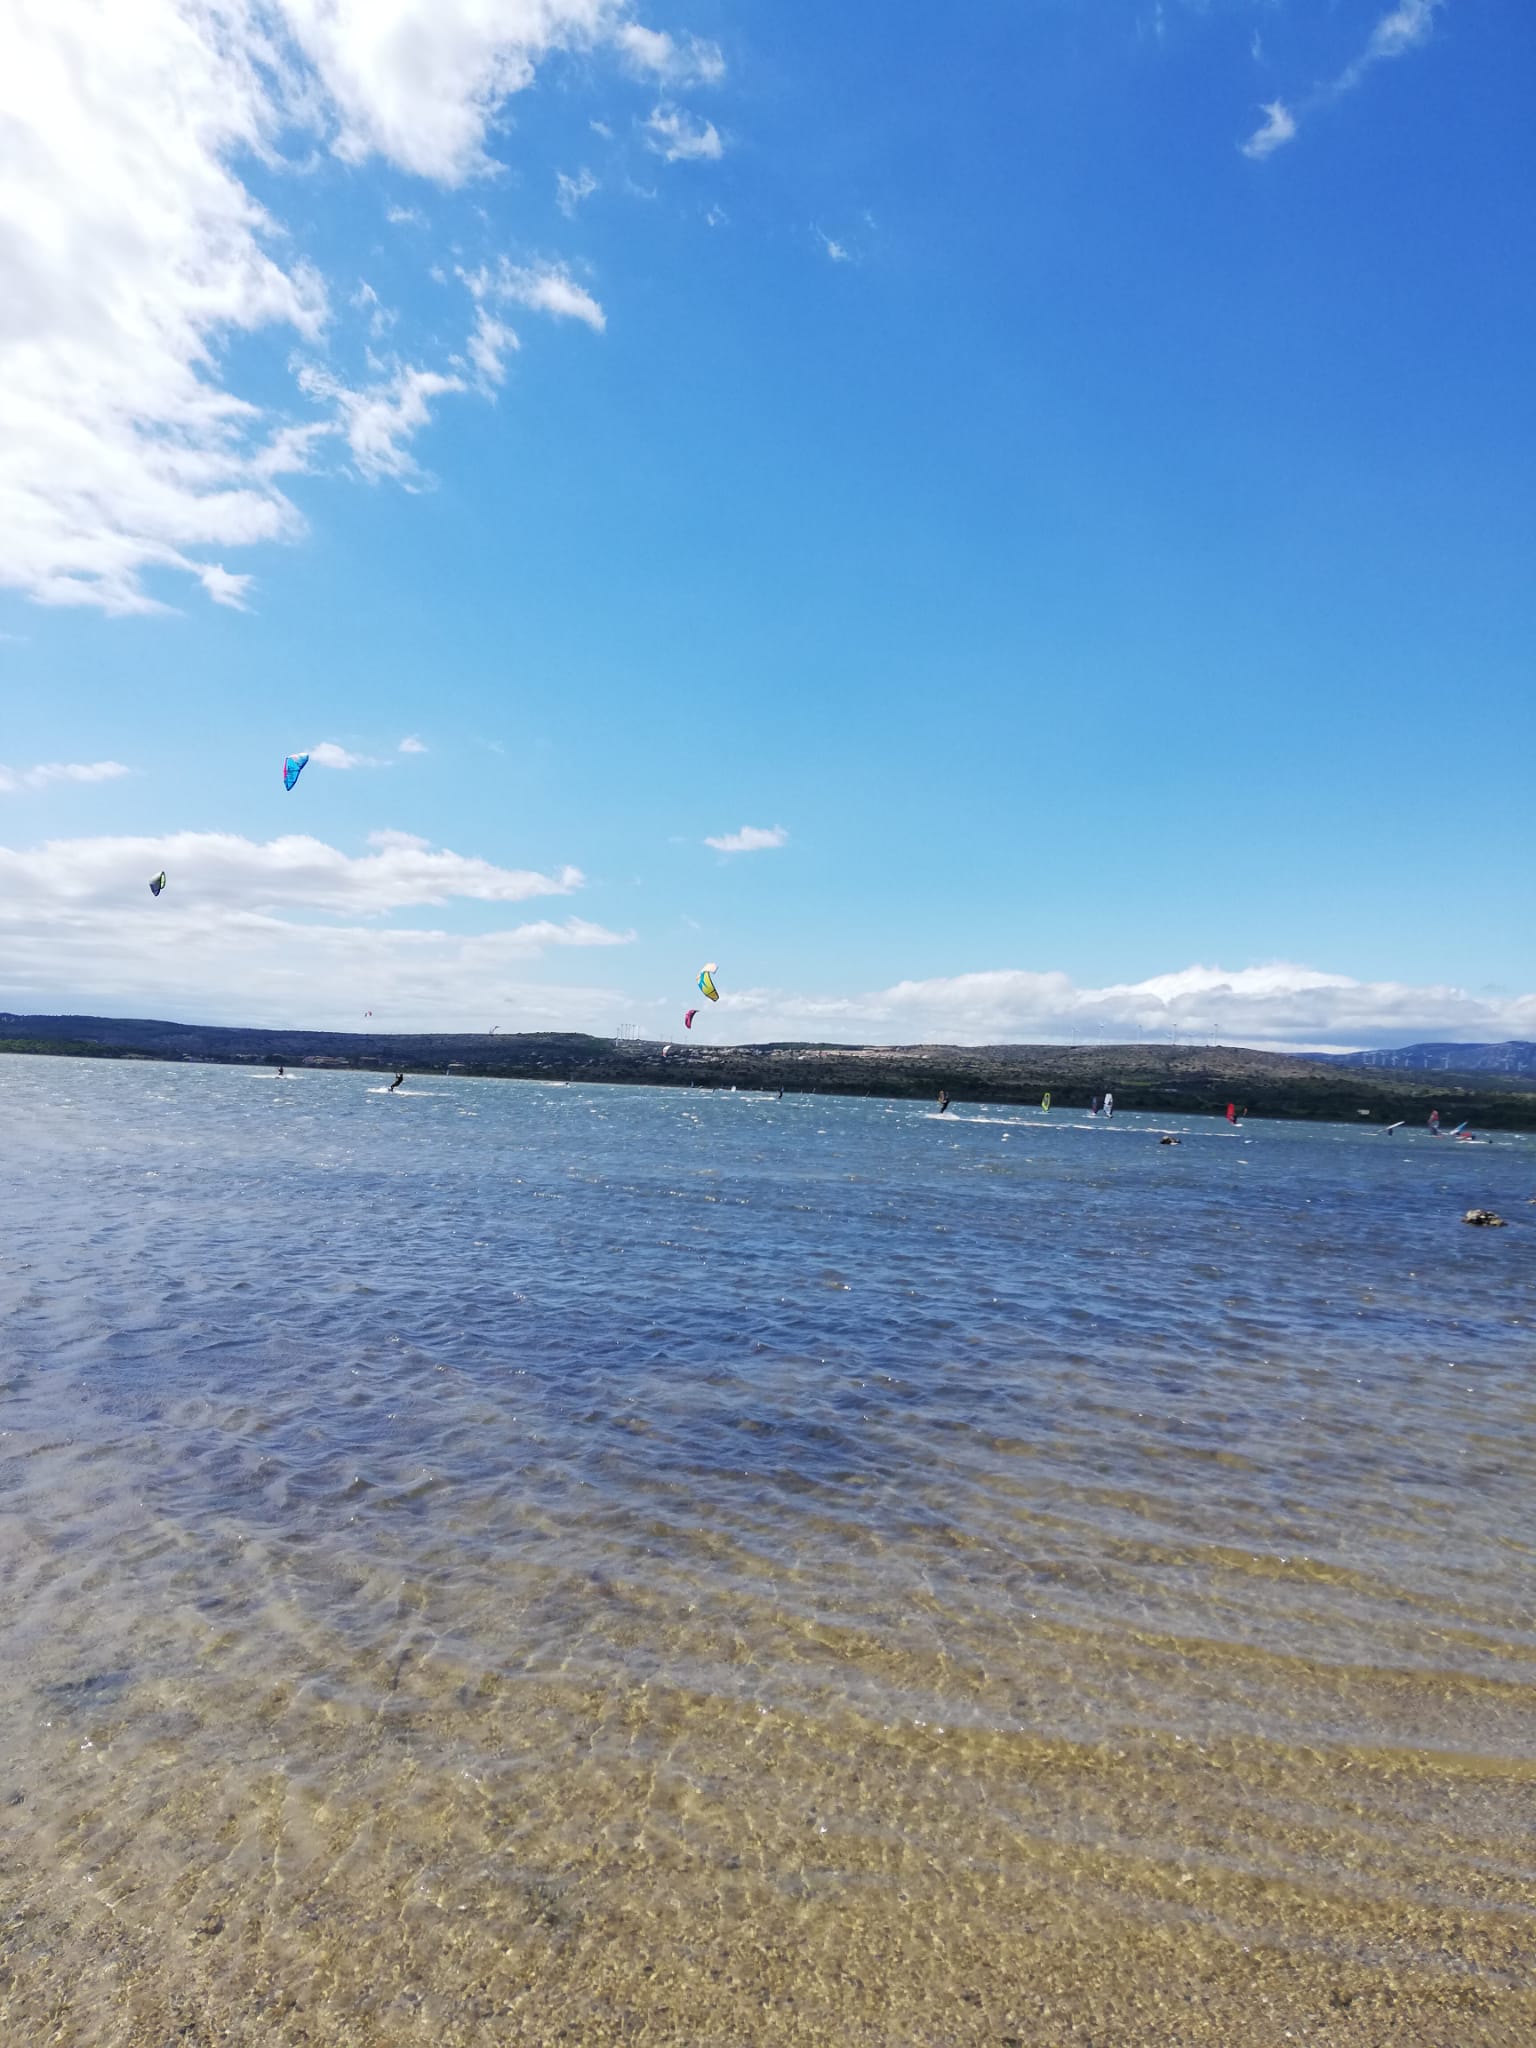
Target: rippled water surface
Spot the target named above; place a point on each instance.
(515, 1563)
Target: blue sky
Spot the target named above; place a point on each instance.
(1063, 470)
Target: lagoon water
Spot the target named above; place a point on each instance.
(511, 1563)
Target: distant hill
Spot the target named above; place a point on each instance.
(1515, 1056)
(1173, 1079)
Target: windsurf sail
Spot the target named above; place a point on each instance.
(1109, 1104)
(1231, 1112)
(1045, 1100)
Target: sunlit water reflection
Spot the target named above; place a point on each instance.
(501, 1562)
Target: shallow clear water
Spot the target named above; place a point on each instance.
(507, 1562)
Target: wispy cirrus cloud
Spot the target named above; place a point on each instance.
(1405, 27)
(12, 779)
(542, 287)
(680, 137)
(686, 61)
(750, 839)
(1278, 128)
(412, 745)
(570, 192)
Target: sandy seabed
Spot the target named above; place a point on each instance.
(466, 1861)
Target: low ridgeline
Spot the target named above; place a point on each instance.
(1189, 1080)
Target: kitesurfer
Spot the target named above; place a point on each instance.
(280, 1074)
(394, 1084)
(943, 1100)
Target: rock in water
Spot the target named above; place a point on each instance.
(1485, 1217)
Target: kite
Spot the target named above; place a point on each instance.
(688, 1020)
(707, 984)
(157, 884)
(293, 768)
(665, 1050)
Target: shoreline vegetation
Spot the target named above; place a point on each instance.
(1192, 1080)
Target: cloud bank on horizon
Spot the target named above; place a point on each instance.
(294, 931)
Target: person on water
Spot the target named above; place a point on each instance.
(280, 1074)
(943, 1100)
(394, 1084)
(1109, 1105)
(1095, 1109)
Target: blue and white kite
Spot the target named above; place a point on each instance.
(293, 768)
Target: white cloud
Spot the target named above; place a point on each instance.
(750, 839)
(1278, 128)
(690, 61)
(570, 192)
(1283, 1007)
(380, 317)
(490, 343)
(404, 217)
(130, 247)
(220, 870)
(412, 745)
(417, 81)
(78, 928)
(1406, 27)
(135, 252)
(12, 779)
(380, 419)
(681, 138)
(836, 252)
(327, 754)
(542, 287)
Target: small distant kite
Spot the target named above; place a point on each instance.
(688, 1020)
(665, 1050)
(157, 884)
(707, 982)
(367, 1013)
(293, 768)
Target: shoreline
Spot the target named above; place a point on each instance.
(1177, 1080)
